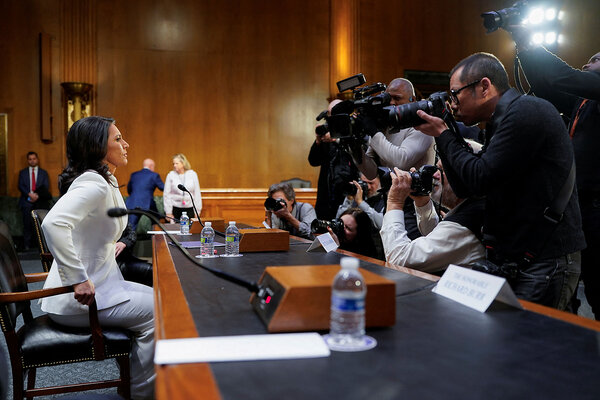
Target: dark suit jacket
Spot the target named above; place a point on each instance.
(42, 188)
(141, 189)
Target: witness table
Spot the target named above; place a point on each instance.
(437, 348)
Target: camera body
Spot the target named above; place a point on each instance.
(350, 189)
(422, 180)
(492, 20)
(320, 226)
(272, 204)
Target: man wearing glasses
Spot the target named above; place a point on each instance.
(524, 165)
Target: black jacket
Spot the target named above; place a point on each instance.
(520, 172)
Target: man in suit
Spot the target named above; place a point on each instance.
(141, 190)
(34, 187)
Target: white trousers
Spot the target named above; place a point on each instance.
(136, 315)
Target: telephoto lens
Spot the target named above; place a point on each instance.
(272, 204)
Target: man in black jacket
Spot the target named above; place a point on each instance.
(524, 165)
(575, 93)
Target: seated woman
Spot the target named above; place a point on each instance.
(175, 200)
(357, 235)
(295, 217)
(82, 239)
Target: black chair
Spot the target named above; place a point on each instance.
(38, 217)
(297, 183)
(40, 342)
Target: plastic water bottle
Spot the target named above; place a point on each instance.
(207, 237)
(347, 323)
(184, 224)
(232, 240)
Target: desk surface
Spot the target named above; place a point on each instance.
(437, 349)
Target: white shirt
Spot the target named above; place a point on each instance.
(174, 197)
(445, 242)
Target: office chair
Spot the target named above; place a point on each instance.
(40, 342)
(45, 256)
(297, 183)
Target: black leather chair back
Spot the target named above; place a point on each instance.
(38, 217)
(12, 279)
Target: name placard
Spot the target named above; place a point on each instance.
(325, 241)
(475, 289)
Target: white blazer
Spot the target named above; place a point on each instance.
(82, 239)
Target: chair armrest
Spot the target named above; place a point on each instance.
(36, 277)
(47, 257)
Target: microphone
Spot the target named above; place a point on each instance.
(251, 286)
(184, 189)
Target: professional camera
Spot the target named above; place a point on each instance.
(344, 121)
(350, 190)
(405, 115)
(272, 204)
(320, 226)
(493, 20)
(422, 180)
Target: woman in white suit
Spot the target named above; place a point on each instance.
(82, 239)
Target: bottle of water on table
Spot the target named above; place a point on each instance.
(207, 238)
(184, 224)
(232, 241)
(347, 320)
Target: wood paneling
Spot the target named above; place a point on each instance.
(234, 85)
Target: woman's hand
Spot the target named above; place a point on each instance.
(334, 236)
(84, 292)
(119, 247)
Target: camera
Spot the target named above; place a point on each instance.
(422, 180)
(320, 226)
(405, 115)
(350, 189)
(272, 204)
(493, 20)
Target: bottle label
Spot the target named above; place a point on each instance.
(342, 304)
(206, 240)
(231, 239)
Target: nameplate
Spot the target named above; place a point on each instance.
(475, 289)
(324, 241)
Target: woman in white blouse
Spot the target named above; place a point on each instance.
(175, 200)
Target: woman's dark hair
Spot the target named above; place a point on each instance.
(363, 242)
(87, 144)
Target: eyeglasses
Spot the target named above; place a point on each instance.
(454, 93)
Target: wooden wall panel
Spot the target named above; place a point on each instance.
(235, 85)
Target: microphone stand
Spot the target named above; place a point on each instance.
(184, 189)
(251, 286)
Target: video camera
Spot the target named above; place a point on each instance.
(492, 20)
(347, 119)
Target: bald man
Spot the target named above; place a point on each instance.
(141, 188)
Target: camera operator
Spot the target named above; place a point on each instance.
(455, 240)
(291, 215)
(524, 165)
(337, 168)
(373, 203)
(356, 236)
(576, 94)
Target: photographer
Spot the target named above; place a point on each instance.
(289, 214)
(356, 236)
(455, 240)
(373, 203)
(337, 168)
(523, 167)
(576, 94)
(403, 149)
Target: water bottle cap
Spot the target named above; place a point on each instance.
(209, 224)
(231, 222)
(349, 262)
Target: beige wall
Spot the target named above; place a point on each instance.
(234, 85)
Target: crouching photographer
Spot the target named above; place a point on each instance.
(352, 231)
(454, 240)
(282, 211)
(367, 195)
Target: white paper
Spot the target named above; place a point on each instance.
(475, 289)
(241, 348)
(326, 241)
(162, 232)
(266, 225)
